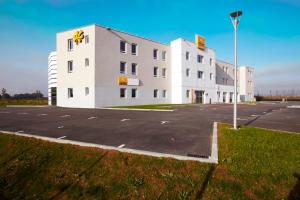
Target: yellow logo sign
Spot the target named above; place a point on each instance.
(123, 80)
(78, 37)
(200, 42)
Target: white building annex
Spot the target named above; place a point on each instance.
(96, 67)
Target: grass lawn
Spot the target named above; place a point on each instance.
(23, 102)
(153, 106)
(254, 164)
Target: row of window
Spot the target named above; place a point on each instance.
(200, 58)
(70, 64)
(134, 93)
(200, 74)
(135, 50)
(71, 95)
(71, 42)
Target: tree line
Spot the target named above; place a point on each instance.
(35, 95)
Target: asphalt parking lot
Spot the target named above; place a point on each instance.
(185, 131)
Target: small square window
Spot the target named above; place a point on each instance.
(164, 93)
(200, 59)
(70, 44)
(123, 92)
(187, 72)
(70, 66)
(87, 91)
(164, 72)
(155, 93)
(187, 55)
(122, 46)
(200, 74)
(163, 55)
(155, 71)
(133, 92)
(70, 92)
(86, 62)
(86, 39)
(134, 69)
(134, 49)
(187, 93)
(155, 54)
(123, 67)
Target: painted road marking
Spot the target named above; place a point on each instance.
(60, 127)
(164, 122)
(4, 112)
(42, 114)
(20, 131)
(123, 120)
(121, 146)
(241, 119)
(92, 118)
(255, 115)
(62, 137)
(22, 113)
(65, 116)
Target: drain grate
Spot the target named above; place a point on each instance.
(197, 155)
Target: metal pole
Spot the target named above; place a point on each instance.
(235, 78)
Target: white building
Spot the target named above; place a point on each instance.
(102, 67)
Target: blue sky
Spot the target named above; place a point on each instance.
(269, 33)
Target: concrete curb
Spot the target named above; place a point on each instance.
(137, 109)
(214, 146)
(212, 159)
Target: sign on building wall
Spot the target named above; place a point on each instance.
(200, 42)
(123, 80)
(78, 36)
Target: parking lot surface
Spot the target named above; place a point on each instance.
(185, 131)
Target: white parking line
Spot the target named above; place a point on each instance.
(20, 131)
(62, 137)
(92, 118)
(121, 146)
(60, 127)
(65, 116)
(22, 113)
(255, 115)
(241, 119)
(164, 122)
(123, 120)
(42, 114)
(4, 112)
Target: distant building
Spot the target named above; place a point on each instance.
(101, 67)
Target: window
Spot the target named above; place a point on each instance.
(211, 76)
(187, 55)
(86, 39)
(226, 81)
(122, 67)
(134, 49)
(123, 46)
(70, 92)
(200, 74)
(87, 91)
(134, 69)
(210, 62)
(164, 93)
(123, 92)
(70, 66)
(163, 55)
(133, 92)
(70, 44)
(155, 71)
(164, 72)
(226, 70)
(187, 93)
(187, 72)
(200, 59)
(155, 93)
(87, 62)
(155, 54)
(223, 80)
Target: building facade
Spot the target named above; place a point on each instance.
(52, 78)
(101, 67)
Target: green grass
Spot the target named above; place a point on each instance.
(254, 164)
(23, 102)
(153, 106)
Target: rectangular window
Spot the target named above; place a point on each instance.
(210, 62)
(70, 92)
(134, 69)
(86, 39)
(155, 93)
(200, 74)
(164, 93)
(87, 62)
(133, 92)
(155, 54)
(163, 55)
(164, 72)
(155, 71)
(187, 55)
(223, 80)
(211, 76)
(87, 91)
(123, 67)
(70, 44)
(122, 46)
(70, 66)
(199, 59)
(123, 92)
(187, 93)
(134, 49)
(187, 72)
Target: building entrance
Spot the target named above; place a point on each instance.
(53, 96)
(198, 96)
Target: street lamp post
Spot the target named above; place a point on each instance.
(235, 16)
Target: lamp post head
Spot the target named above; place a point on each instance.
(236, 14)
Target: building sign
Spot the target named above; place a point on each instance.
(123, 80)
(200, 42)
(78, 36)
